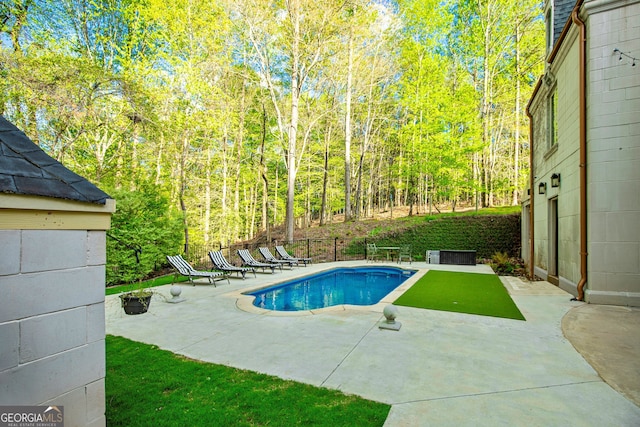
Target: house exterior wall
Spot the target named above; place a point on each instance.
(562, 158)
(613, 153)
(613, 157)
(52, 324)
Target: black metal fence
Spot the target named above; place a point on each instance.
(320, 250)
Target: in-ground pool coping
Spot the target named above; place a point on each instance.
(245, 302)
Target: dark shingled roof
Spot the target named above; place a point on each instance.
(26, 169)
(561, 14)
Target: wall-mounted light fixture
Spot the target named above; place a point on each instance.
(555, 180)
(621, 54)
(542, 188)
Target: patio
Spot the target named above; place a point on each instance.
(441, 368)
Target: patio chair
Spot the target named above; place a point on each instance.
(405, 252)
(283, 254)
(250, 261)
(184, 268)
(221, 263)
(268, 257)
(372, 252)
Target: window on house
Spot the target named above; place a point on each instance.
(552, 109)
(548, 20)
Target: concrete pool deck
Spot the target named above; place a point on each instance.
(440, 369)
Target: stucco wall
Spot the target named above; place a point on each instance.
(562, 159)
(52, 325)
(613, 155)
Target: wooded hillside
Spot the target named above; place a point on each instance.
(247, 114)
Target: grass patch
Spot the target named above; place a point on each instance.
(146, 386)
(500, 210)
(158, 281)
(470, 293)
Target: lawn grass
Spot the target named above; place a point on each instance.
(146, 386)
(158, 281)
(471, 293)
(500, 210)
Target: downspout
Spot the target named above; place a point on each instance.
(583, 152)
(531, 195)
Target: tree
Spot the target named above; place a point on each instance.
(144, 230)
(306, 31)
(362, 105)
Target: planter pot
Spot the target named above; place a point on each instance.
(135, 304)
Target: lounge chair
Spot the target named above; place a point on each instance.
(268, 257)
(250, 261)
(405, 252)
(185, 269)
(221, 263)
(283, 254)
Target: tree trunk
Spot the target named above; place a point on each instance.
(225, 178)
(516, 137)
(265, 180)
(325, 177)
(183, 185)
(159, 159)
(207, 200)
(294, 13)
(347, 132)
(239, 144)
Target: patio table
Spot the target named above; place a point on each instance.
(389, 250)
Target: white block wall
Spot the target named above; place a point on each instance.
(52, 325)
(613, 155)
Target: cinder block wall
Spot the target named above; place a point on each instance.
(613, 141)
(52, 325)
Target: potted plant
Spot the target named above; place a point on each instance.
(136, 302)
(138, 299)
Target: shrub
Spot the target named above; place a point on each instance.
(143, 231)
(504, 265)
(484, 234)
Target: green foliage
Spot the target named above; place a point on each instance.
(143, 220)
(486, 234)
(506, 266)
(500, 258)
(502, 210)
(147, 284)
(146, 386)
(196, 96)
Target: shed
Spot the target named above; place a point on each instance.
(53, 226)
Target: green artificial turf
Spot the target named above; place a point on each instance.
(146, 386)
(470, 293)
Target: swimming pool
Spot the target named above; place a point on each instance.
(355, 286)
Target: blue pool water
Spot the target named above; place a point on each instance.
(356, 286)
